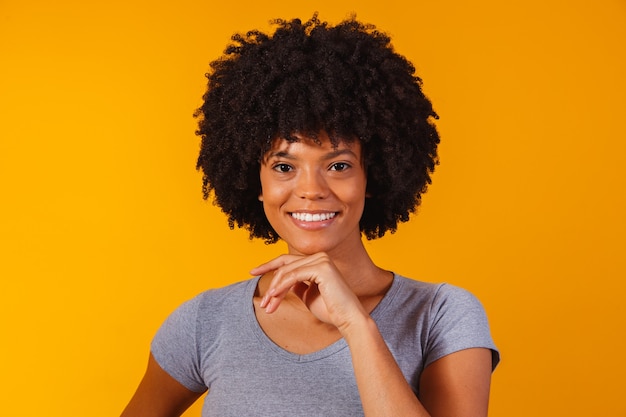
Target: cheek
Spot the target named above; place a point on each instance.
(273, 196)
(353, 196)
(357, 190)
(272, 193)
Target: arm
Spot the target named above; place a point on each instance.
(455, 385)
(159, 395)
(383, 389)
(458, 384)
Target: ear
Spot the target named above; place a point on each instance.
(260, 197)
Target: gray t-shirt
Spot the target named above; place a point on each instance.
(214, 342)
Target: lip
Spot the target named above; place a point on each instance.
(313, 220)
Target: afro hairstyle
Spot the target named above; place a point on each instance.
(345, 80)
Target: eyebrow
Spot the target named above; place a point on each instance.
(279, 154)
(339, 152)
(330, 155)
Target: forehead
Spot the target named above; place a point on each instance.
(321, 142)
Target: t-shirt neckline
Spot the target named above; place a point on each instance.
(325, 352)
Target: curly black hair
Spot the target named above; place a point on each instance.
(305, 78)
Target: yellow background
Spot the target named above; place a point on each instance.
(103, 230)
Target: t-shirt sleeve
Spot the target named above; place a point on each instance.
(174, 346)
(458, 322)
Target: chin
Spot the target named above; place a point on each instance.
(309, 248)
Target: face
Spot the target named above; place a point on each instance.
(313, 194)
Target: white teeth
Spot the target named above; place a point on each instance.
(308, 217)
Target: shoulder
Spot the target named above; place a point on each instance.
(450, 318)
(214, 297)
(426, 305)
(436, 295)
(236, 289)
(208, 306)
(196, 326)
(460, 322)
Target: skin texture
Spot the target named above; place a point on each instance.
(328, 181)
(159, 395)
(325, 287)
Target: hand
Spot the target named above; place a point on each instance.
(317, 282)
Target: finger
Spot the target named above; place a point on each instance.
(299, 280)
(289, 275)
(273, 303)
(289, 263)
(274, 264)
(295, 278)
(290, 270)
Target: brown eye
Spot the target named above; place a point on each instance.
(339, 166)
(282, 168)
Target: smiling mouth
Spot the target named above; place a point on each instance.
(313, 217)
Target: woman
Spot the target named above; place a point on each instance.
(317, 135)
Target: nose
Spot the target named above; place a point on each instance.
(312, 186)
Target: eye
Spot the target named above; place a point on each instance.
(282, 168)
(339, 166)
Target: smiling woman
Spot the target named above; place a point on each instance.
(308, 78)
(317, 135)
(313, 193)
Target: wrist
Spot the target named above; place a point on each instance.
(360, 329)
